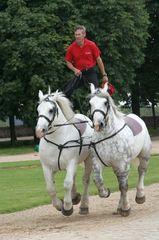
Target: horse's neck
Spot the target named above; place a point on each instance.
(58, 130)
(114, 123)
(60, 118)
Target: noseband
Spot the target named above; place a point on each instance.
(54, 109)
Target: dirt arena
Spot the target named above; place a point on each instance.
(45, 223)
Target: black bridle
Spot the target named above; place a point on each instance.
(54, 111)
(101, 111)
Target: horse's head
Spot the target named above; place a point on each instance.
(47, 111)
(99, 104)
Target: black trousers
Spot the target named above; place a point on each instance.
(88, 76)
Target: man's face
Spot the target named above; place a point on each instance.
(79, 36)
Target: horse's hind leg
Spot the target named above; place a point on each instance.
(50, 185)
(84, 207)
(103, 191)
(140, 195)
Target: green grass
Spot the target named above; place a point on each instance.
(22, 184)
(16, 150)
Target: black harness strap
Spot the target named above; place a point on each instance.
(111, 135)
(80, 140)
(93, 144)
(62, 146)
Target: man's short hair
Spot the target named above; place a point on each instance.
(80, 27)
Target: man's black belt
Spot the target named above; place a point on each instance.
(87, 70)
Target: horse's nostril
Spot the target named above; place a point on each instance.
(101, 124)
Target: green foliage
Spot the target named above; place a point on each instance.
(33, 40)
(25, 183)
(120, 30)
(148, 74)
(34, 36)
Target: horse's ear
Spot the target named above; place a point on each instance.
(49, 90)
(40, 95)
(92, 88)
(105, 88)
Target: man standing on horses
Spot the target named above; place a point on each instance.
(81, 57)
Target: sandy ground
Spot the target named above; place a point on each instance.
(45, 223)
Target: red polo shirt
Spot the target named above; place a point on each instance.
(83, 57)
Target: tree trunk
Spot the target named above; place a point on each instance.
(135, 99)
(12, 130)
(154, 115)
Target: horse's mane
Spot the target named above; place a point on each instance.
(103, 94)
(64, 103)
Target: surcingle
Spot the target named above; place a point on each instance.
(135, 127)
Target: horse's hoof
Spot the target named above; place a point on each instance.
(104, 194)
(58, 208)
(125, 213)
(77, 199)
(140, 200)
(84, 210)
(67, 212)
(117, 212)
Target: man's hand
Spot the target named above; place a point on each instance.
(105, 78)
(77, 72)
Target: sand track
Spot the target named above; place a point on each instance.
(45, 223)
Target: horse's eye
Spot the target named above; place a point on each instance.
(51, 111)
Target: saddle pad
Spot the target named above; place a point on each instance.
(135, 127)
(80, 125)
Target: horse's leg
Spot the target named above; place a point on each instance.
(76, 196)
(67, 209)
(140, 195)
(123, 206)
(103, 191)
(84, 207)
(50, 185)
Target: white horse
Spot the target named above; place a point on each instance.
(64, 143)
(118, 139)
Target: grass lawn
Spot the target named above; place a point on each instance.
(22, 183)
(16, 150)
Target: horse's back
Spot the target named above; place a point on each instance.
(140, 132)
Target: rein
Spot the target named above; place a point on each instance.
(65, 124)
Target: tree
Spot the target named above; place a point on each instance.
(148, 74)
(33, 37)
(120, 30)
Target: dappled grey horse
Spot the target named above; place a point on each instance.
(118, 139)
